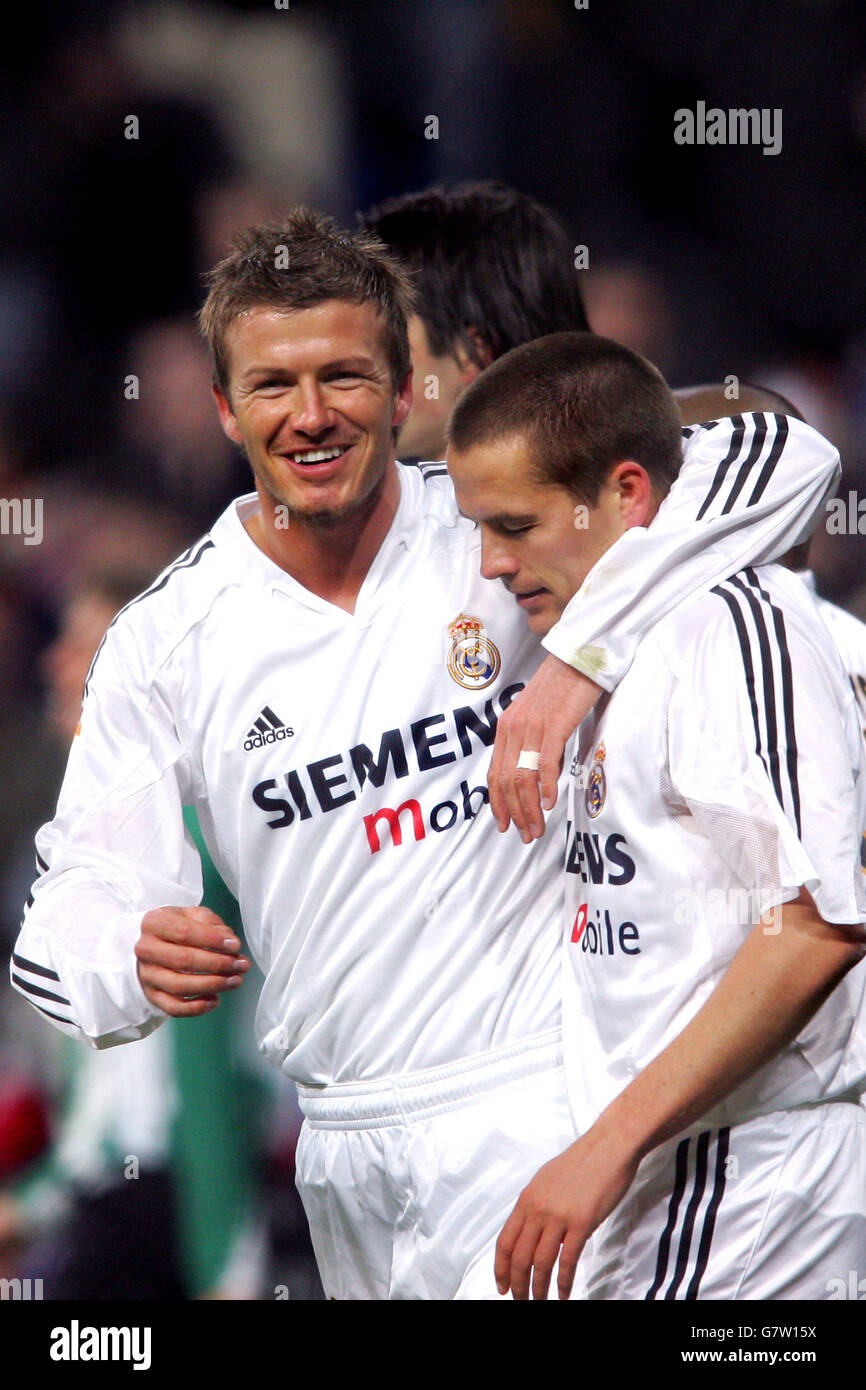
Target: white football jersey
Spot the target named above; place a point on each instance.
(724, 772)
(849, 639)
(338, 766)
(336, 762)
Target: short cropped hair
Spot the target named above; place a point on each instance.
(298, 263)
(483, 256)
(583, 404)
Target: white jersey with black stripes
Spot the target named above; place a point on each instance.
(338, 766)
(695, 811)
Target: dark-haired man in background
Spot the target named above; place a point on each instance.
(492, 269)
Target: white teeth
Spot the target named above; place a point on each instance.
(317, 455)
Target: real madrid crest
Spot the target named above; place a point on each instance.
(473, 660)
(596, 787)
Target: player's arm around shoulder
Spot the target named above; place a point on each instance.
(749, 488)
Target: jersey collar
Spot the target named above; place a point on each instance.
(232, 537)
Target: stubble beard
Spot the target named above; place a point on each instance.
(325, 518)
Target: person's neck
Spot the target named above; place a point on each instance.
(332, 561)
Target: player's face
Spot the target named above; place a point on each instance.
(439, 384)
(533, 536)
(311, 399)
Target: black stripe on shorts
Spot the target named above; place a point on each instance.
(699, 1217)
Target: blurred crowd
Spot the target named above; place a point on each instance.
(139, 137)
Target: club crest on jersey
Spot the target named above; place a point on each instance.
(596, 787)
(473, 660)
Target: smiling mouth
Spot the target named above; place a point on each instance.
(305, 457)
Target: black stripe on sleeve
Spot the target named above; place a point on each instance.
(38, 990)
(768, 681)
(791, 752)
(736, 444)
(748, 667)
(774, 705)
(34, 969)
(755, 451)
(779, 441)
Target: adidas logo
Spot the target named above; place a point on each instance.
(268, 728)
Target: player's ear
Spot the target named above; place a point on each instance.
(474, 355)
(403, 400)
(227, 419)
(635, 493)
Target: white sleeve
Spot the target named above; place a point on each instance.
(750, 487)
(764, 750)
(116, 848)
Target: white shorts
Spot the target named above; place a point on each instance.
(774, 1208)
(407, 1182)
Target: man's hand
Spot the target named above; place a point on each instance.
(772, 987)
(186, 957)
(562, 1206)
(541, 720)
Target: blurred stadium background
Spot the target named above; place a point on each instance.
(711, 260)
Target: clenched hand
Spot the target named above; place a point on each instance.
(187, 957)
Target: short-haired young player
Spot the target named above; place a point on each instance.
(715, 897)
